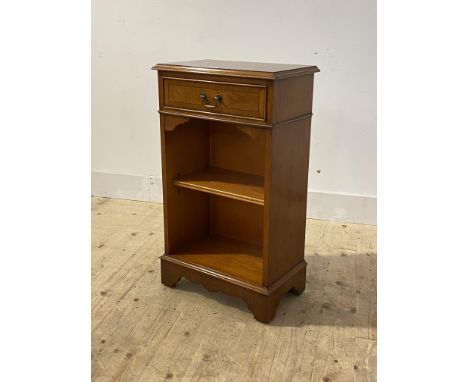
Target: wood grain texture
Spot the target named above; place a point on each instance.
(292, 97)
(191, 205)
(144, 331)
(238, 68)
(237, 99)
(228, 256)
(230, 184)
(238, 148)
(228, 219)
(267, 167)
(285, 197)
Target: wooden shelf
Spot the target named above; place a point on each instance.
(230, 257)
(230, 184)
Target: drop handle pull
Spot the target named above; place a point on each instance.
(204, 98)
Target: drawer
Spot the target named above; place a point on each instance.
(221, 98)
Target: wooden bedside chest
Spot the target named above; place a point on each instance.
(235, 157)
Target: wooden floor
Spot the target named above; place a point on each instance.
(144, 331)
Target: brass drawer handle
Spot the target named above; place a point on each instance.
(218, 98)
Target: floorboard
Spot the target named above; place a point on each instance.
(144, 331)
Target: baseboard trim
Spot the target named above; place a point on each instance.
(122, 186)
(320, 205)
(342, 207)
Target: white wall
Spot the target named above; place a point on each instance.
(338, 36)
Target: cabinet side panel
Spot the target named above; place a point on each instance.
(286, 198)
(185, 150)
(292, 97)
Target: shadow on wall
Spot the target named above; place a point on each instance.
(340, 291)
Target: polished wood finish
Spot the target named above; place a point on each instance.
(293, 98)
(286, 197)
(235, 152)
(228, 219)
(239, 68)
(262, 301)
(242, 100)
(234, 258)
(226, 183)
(238, 148)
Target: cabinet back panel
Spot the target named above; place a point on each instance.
(238, 148)
(237, 220)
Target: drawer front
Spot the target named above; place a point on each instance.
(222, 98)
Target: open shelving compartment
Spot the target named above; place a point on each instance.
(214, 196)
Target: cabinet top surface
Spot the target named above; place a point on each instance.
(238, 68)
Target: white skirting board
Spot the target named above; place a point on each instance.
(121, 186)
(320, 205)
(342, 207)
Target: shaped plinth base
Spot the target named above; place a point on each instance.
(262, 301)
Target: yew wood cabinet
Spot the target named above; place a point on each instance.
(235, 157)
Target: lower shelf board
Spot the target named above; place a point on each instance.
(237, 259)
